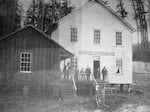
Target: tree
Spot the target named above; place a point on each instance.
(121, 10)
(149, 11)
(17, 16)
(45, 15)
(10, 18)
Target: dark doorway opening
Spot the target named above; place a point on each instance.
(96, 69)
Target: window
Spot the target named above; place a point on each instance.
(119, 66)
(74, 34)
(74, 63)
(118, 38)
(97, 36)
(25, 62)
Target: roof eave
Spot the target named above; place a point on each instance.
(41, 32)
(129, 26)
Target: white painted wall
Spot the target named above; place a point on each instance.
(96, 16)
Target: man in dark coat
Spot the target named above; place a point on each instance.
(88, 73)
(76, 74)
(68, 68)
(105, 74)
(65, 72)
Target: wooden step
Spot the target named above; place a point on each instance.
(67, 91)
(102, 83)
(108, 93)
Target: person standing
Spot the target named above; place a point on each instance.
(65, 72)
(98, 73)
(68, 69)
(76, 74)
(105, 74)
(88, 73)
(82, 74)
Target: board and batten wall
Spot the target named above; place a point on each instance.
(44, 64)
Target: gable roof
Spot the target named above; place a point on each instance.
(117, 16)
(100, 2)
(39, 31)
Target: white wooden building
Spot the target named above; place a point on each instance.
(98, 37)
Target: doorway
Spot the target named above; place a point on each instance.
(96, 65)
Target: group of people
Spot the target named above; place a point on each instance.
(84, 74)
(67, 71)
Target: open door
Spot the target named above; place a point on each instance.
(96, 69)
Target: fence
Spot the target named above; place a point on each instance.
(78, 76)
(141, 67)
(83, 77)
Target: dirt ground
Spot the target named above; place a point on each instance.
(136, 101)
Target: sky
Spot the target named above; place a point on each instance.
(112, 3)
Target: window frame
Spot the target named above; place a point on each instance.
(97, 36)
(119, 39)
(30, 62)
(74, 62)
(74, 34)
(119, 66)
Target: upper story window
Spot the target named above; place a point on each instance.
(74, 34)
(118, 38)
(25, 62)
(97, 36)
(119, 66)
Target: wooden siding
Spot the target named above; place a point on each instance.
(45, 60)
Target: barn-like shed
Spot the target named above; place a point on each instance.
(29, 58)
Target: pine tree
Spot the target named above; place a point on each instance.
(10, 17)
(45, 15)
(149, 10)
(121, 10)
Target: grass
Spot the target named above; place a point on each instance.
(139, 98)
